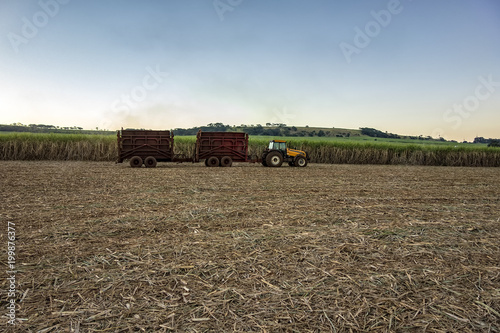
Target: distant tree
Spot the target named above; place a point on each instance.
(494, 143)
(378, 134)
(480, 139)
(321, 133)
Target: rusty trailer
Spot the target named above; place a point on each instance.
(145, 147)
(221, 148)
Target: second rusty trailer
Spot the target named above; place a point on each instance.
(221, 148)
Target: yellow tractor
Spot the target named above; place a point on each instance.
(277, 152)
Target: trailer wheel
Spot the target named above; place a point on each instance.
(226, 161)
(213, 162)
(274, 159)
(150, 162)
(300, 161)
(135, 162)
(206, 162)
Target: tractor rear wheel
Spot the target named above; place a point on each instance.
(150, 162)
(274, 159)
(135, 162)
(263, 159)
(226, 161)
(212, 162)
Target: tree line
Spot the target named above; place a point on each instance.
(271, 129)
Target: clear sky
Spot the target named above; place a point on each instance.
(412, 67)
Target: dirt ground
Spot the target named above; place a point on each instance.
(101, 247)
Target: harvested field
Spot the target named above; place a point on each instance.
(342, 248)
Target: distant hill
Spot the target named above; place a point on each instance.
(275, 129)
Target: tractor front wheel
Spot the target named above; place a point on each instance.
(300, 161)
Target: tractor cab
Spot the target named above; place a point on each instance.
(277, 145)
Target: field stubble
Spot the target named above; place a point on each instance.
(104, 247)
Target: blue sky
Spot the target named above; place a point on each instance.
(411, 66)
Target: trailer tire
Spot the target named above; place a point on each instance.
(135, 162)
(150, 162)
(206, 162)
(212, 162)
(274, 159)
(226, 161)
(300, 161)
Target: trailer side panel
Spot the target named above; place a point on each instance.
(221, 144)
(145, 143)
